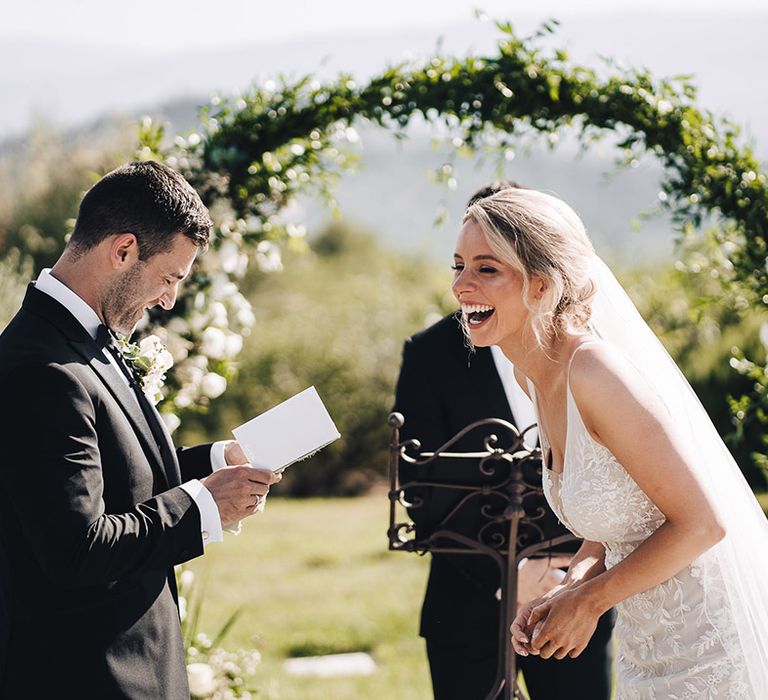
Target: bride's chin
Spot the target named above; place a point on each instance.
(480, 340)
(480, 343)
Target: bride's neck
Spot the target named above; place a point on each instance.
(540, 362)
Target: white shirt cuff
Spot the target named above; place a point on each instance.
(210, 522)
(218, 460)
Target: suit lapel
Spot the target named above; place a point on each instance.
(173, 472)
(123, 394)
(41, 304)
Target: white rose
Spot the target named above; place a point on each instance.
(268, 257)
(214, 343)
(245, 316)
(179, 348)
(150, 346)
(177, 325)
(221, 286)
(229, 255)
(213, 385)
(234, 345)
(182, 608)
(163, 361)
(218, 314)
(764, 334)
(183, 399)
(172, 422)
(202, 680)
(152, 388)
(186, 579)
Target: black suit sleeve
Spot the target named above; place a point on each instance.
(53, 476)
(418, 401)
(195, 462)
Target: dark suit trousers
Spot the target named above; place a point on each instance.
(462, 673)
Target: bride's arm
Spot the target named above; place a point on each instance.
(621, 412)
(587, 563)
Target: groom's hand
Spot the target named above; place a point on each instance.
(537, 577)
(238, 490)
(233, 454)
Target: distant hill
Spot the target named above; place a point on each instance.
(87, 88)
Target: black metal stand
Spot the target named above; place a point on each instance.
(503, 508)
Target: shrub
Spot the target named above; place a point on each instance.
(335, 318)
(15, 273)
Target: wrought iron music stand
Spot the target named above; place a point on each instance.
(500, 538)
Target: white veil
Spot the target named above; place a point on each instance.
(742, 555)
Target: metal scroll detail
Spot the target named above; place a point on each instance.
(505, 508)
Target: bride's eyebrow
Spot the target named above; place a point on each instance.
(486, 257)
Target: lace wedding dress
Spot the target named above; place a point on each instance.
(677, 640)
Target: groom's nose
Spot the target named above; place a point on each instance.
(168, 298)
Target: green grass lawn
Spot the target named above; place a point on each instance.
(763, 499)
(315, 577)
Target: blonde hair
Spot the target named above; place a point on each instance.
(539, 235)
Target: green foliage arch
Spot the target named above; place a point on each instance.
(254, 153)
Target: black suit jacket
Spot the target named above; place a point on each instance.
(92, 520)
(443, 387)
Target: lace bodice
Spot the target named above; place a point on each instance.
(676, 640)
(595, 497)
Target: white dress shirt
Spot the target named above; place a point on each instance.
(210, 522)
(522, 411)
(519, 403)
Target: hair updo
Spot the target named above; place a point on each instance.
(541, 236)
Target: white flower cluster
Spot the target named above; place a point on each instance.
(150, 360)
(161, 360)
(205, 332)
(213, 673)
(223, 675)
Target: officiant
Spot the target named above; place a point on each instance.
(96, 504)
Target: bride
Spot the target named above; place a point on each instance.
(673, 537)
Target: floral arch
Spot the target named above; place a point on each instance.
(252, 154)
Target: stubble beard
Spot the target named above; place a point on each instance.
(123, 302)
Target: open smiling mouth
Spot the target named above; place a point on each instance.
(477, 314)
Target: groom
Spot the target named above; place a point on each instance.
(96, 507)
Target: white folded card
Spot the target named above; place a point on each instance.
(292, 430)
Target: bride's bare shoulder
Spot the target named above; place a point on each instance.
(598, 368)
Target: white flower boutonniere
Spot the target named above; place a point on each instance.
(150, 360)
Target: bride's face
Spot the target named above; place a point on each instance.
(490, 291)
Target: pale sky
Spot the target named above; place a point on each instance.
(70, 61)
(181, 24)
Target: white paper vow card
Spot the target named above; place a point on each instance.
(288, 432)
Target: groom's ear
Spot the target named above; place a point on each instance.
(123, 250)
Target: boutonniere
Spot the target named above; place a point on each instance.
(149, 360)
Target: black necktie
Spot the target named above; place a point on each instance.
(105, 338)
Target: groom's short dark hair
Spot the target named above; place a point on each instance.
(147, 199)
